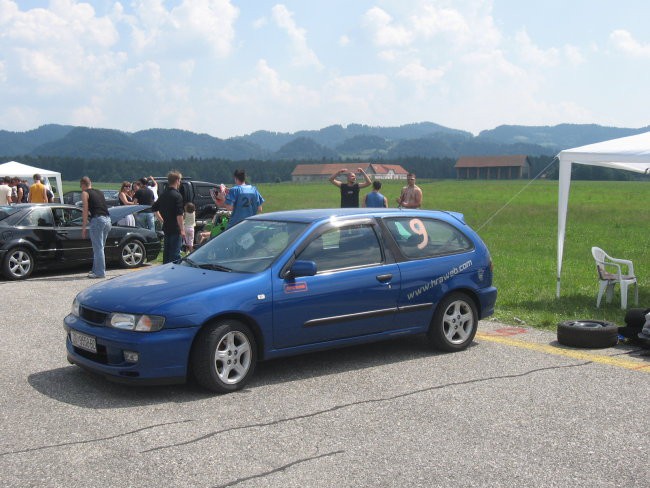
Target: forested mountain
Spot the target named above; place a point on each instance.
(304, 148)
(558, 137)
(336, 142)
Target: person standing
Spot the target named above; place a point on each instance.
(374, 199)
(21, 191)
(243, 200)
(169, 208)
(144, 196)
(5, 191)
(189, 222)
(350, 190)
(38, 191)
(124, 198)
(153, 186)
(95, 217)
(411, 196)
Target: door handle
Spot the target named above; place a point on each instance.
(384, 278)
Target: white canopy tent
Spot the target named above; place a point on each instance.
(14, 168)
(628, 153)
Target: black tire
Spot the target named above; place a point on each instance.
(18, 264)
(224, 356)
(587, 333)
(454, 323)
(132, 254)
(635, 317)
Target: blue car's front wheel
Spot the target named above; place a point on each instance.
(224, 356)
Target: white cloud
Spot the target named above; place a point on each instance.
(190, 26)
(59, 47)
(417, 73)
(532, 54)
(573, 54)
(259, 23)
(384, 31)
(432, 21)
(624, 42)
(303, 55)
(344, 41)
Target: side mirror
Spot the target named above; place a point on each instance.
(301, 268)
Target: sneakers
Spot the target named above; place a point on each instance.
(93, 275)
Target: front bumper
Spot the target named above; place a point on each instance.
(163, 355)
(152, 249)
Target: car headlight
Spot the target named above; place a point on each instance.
(75, 307)
(138, 323)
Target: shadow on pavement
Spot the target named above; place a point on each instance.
(75, 386)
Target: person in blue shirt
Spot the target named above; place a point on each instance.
(374, 198)
(242, 200)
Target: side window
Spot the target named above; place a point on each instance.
(68, 217)
(38, 217)
(203, 191)
(424, 238)
(346, 247)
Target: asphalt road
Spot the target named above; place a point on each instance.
(514, 409)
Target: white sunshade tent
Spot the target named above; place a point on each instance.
(14, 168)
(628, 153)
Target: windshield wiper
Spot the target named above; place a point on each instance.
(215, 267)
(190, 262)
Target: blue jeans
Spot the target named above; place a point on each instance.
(98, 230)
(172, 247)
(148, 220)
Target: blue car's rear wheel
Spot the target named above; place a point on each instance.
(224, 356)
(454, 323)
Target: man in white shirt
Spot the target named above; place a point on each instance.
(5, 191)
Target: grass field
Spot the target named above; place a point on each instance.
(522, 237)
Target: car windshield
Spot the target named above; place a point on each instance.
(6, 211)
(248, 247)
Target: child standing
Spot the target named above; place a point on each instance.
(189, 221)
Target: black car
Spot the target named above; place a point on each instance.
(36, 236)
(74, 197)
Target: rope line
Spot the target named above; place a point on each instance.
(517, 194)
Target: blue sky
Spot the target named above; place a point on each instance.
(231, 67)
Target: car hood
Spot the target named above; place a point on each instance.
(144, 291)
(119, 212)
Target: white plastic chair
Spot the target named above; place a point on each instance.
(607, 279)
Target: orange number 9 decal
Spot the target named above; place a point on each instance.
(417, 226)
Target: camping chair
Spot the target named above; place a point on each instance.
(607, 280)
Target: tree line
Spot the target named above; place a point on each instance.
(264, 171)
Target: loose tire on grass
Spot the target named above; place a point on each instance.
(587, 333)
(635, 317)
(224, 356)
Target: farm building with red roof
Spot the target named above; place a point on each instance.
(321, 172)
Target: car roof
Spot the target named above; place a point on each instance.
(53, 204)
(320, 214)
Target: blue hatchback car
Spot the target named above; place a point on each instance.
(286, 283)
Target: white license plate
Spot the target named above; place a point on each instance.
(83, 341)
